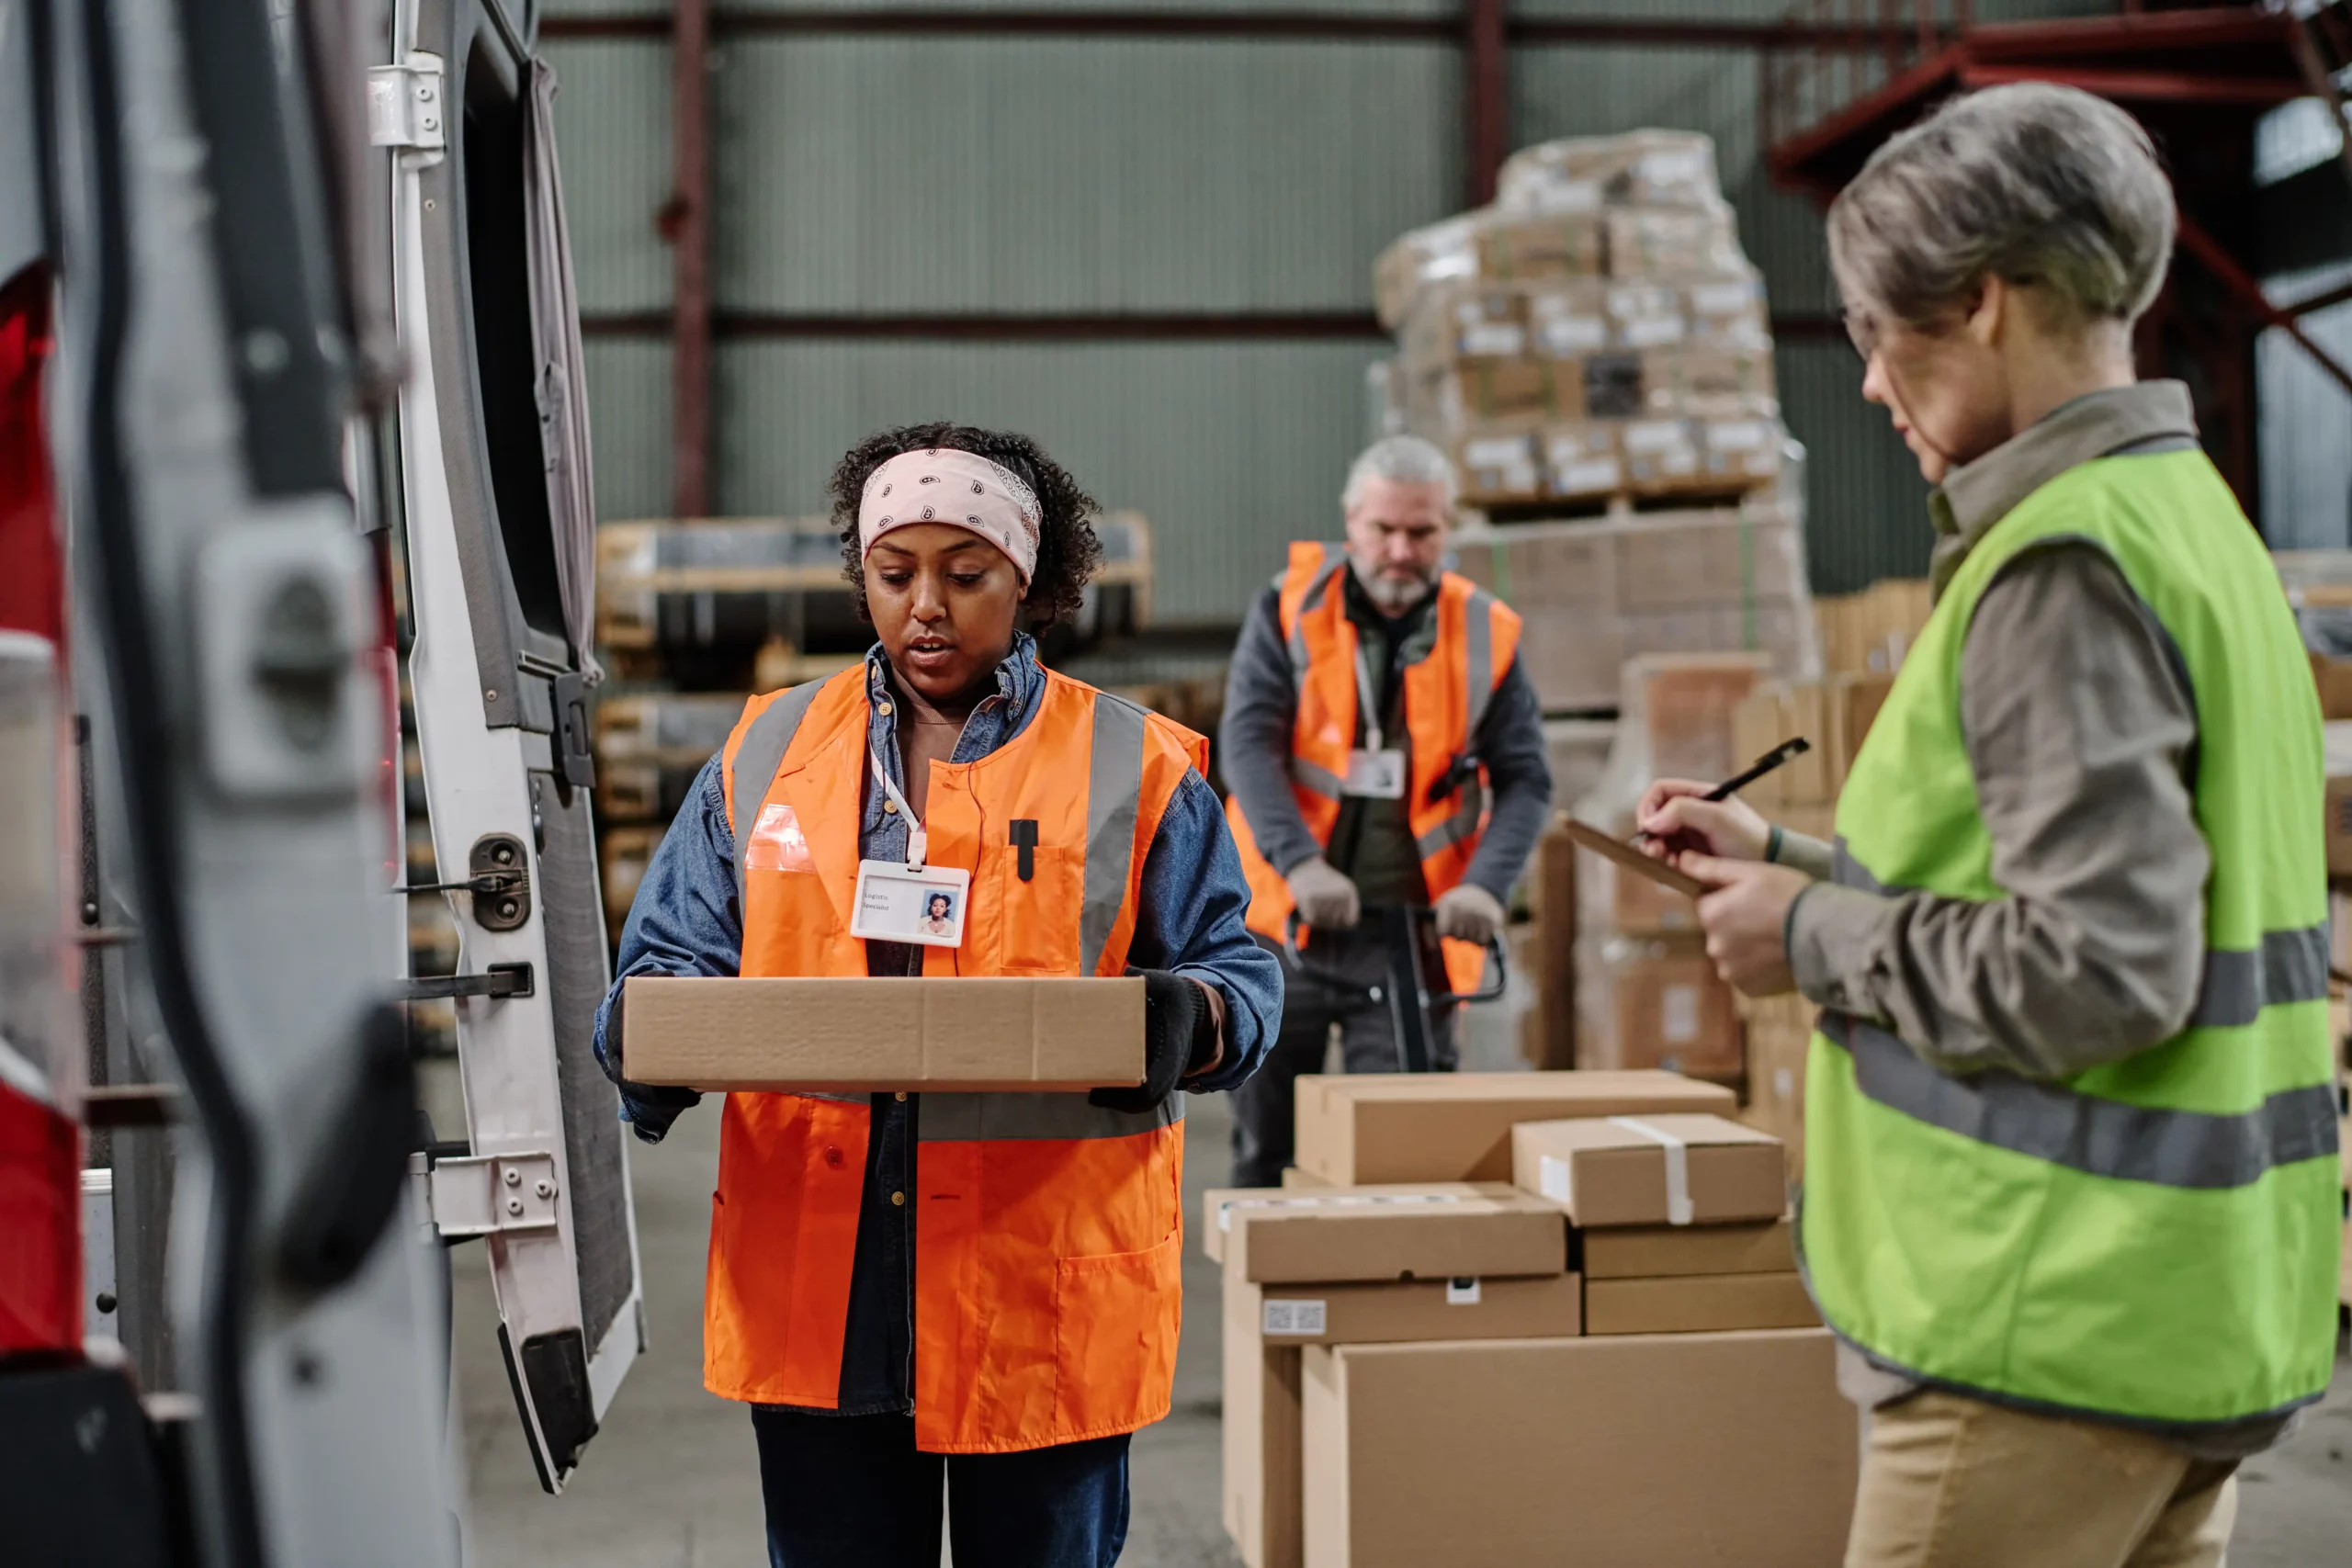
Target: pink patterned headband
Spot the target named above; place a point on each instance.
(960, 488)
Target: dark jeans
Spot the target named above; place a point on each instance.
(851, 1492)
(1264, 1108)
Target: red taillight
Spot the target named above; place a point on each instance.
(41, 1054)
(32, 577)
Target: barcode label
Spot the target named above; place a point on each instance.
(1293, 1318)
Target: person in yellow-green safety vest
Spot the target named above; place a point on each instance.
(2071, 1172)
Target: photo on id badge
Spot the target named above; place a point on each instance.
(916, 904)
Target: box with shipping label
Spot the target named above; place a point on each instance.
(1708, 383)
(1465, 322)
(1581, 461)
(1439, 1127)
(1651, 1170)
(1497, 467)
(850, 1034)
(1390, 1232)
(1513, 248)
(1681, 1450)
(1670, 242)
(1727, 311)
(1398, 1311)
(1658, 1252)
(1698, 1304)
(1497, 397)
(1568, 318)
(1653, 1000)
(1659, 452)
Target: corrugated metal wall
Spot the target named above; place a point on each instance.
(880, 174)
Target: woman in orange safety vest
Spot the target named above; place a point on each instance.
(982, 1285)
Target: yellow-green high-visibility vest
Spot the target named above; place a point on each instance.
(2153, 1240)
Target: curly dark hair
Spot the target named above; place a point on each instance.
(1067, 551)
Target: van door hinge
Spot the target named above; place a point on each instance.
(493, 1194)
(404, 105)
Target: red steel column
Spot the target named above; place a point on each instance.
(690, 260)
(1486, 96)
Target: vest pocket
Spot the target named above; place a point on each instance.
(1117, 1319)
(1036, 921)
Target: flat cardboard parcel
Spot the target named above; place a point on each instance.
(856, 1034)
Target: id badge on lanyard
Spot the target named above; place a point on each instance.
(910, 902)
(1374, 771)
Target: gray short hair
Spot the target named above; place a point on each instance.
(1400, 460)
(2031, 183)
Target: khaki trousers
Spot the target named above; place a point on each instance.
(1950, 1482)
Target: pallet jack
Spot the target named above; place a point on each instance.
(1416, 953)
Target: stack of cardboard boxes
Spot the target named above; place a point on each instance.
(1835, 715)
(1592, 347)
(1426, 1364)
(1646, 994)
(1868, 633)
(1595, 334)
(1599, 591)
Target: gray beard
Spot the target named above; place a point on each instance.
(1391, 597)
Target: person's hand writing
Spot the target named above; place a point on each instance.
(1746, 917)
(1680, 821)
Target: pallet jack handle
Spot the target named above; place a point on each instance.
(1414, 952)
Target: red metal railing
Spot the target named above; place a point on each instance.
(1841, 51)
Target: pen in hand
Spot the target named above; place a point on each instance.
(1796, 747)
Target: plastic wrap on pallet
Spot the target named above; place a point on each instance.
(1580, 174)
(1596, 593)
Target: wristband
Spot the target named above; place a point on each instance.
(1772, 845)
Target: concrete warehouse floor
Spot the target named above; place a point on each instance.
(672, 1481)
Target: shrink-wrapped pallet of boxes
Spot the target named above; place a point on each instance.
(1596, 593)
(1594, 336)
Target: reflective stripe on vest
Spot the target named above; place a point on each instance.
(2083, 1131)
(1446, 697)
(2153, 1239)
(1114, 782)
(1047, 1231)
(2289, 966)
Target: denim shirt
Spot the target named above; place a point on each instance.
(687, 920)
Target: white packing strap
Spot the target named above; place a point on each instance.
(918, 841)
(1370, 709)
(1677, 1166)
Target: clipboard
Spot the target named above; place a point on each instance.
(1610, 847)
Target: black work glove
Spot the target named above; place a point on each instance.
(667, 1097)
(1179, 1037)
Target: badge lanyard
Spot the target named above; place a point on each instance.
(1375, 769)
(918, 841)
(1370, 708)
(913, 902)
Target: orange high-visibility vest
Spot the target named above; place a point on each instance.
(1445, 696)
(1048, 1232)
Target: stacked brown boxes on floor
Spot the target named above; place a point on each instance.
(1413, 1375)
(1646, 994)
(1595, 334)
